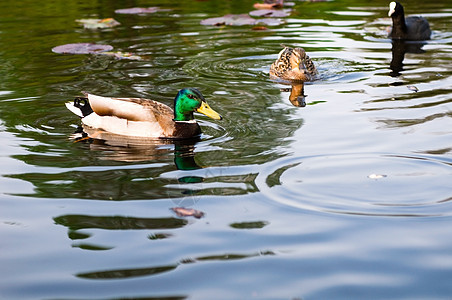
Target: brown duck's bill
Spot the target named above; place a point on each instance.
(206, 110)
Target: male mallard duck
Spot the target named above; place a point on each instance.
(411, 28)
(293, 64)
(143, 117)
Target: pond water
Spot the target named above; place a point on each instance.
(349, 197)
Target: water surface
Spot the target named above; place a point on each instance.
(348, 197)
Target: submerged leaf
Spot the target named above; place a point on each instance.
(122, 55)
(377, 176)
(265, 6)
(231, 19)
(98, 23)
(270, 21)
(257, 28)
(81, 48)
(412, 88)
(270, 13)
(137, 10)
(272, 4)
(187, 212)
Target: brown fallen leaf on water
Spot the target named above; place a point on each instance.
(263, 6)
(187, 212)
(412, 88)
(377, 176)
(122, 55)
(259, 28)
(98, 23)
(269, 4)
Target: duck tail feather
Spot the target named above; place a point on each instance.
(80, 106)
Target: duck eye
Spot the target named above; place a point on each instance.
(191, 96)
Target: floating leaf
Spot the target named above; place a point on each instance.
(88, 48)
(272, 4)
(270, 21)
(122, 55)
(137, 10)
(98, 23)
(377, 176)
(249, 225)
(270, 13)
(412, 88)
(269, 4)
(231, 19)
(187, 212)
(81, 48)
(257, 28)
(265, 6)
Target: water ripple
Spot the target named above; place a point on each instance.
(361, 184)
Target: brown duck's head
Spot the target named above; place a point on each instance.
(299, 52)
(295, 56)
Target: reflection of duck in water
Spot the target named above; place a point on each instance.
(143, 117)
(123, 148)
(132, 149)
(297, 96)
(412, 28)
(293, 64)
(399, 48)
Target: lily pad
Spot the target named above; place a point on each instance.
(98, 23)
(137, 10)
(270, 21)
(230, 19)
(81, 48)
(187, 212)
(270, 13)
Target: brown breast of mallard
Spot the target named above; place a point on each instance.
(293, 64)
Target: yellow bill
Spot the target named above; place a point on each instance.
(206, 110)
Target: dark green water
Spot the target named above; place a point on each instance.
(346, 198)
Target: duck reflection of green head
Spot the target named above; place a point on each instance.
(184, 159)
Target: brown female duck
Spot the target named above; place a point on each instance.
(293, 64)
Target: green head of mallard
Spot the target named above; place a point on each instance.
(189, 100)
